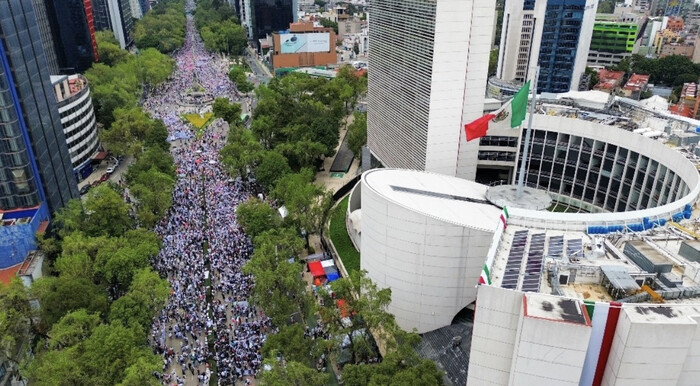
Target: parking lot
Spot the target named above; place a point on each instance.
(110, 169)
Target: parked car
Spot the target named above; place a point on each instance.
(85, 189)
(111, 169)
(104, 177)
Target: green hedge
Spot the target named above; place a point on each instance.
(339, 235)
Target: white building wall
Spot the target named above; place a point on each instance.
(493, 337)
(463, 33)
(690, 374)
(135, 9)
(513, 16)
(648, 354)
(549, 352)
(431, 266)
(481, 36)
(584, 43)
(117, 27)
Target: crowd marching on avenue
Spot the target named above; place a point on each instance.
(202, 241)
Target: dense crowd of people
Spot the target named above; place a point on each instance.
(202, 242)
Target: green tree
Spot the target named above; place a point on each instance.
(271, 168)
(357, 133)
(241, 153)
(73, 328)
(291, 344)
(141, 373)
(606, 6)
(292, 374)
(15, 320)
(278, 290)
(61, 295)
(157, 136)
(162, 28)
(106, 213)
(365, 304)
(308, 203)
(138, 307)
(493, 62)
(256, 217)
(130, 128)
(112, 88)
(238, 76)
(108, 49)
(328, 23)
(153, 191)
(152, 157)
(229, 112)
(152, 67)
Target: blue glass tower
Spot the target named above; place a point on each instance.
(36, 175)
(559, 45)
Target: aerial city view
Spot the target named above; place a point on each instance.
(349, 192)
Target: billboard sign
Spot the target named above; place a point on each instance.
(292, 43)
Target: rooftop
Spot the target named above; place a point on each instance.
(637, 82)
(598, 268)
(445, 198)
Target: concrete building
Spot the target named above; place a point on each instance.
(609, 81)
(611, 42)
(428, 63)
(36, 177)
(635, 86)
(571, 298)
(554, 34)
(78, 121)
(304, 45)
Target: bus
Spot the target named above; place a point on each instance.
(245, 118)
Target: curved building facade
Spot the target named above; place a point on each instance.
(424, 241)
(78, 118)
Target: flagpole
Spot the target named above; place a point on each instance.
(528, 133)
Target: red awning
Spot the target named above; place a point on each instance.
(316, 269)
(100, 156)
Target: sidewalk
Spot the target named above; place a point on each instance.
(333, 181)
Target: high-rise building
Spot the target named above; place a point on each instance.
(36, 176)
(78, 120)
(267, 16)
(428, 65)
(554, 34)
(73, 38)
(42, 19)
(114, 15)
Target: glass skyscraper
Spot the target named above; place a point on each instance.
(268, 16)
(35, 166)
(559, 45)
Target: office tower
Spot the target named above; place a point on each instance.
(100, 12)
(428, 67)
(36, 176)
(114, 15)
(554, 34)
(42, 19)
(73, 38)
(267, 16)
(135, 6)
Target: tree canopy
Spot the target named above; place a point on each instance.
(162, 28)
(219, 27)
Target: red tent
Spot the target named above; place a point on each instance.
(316, 269)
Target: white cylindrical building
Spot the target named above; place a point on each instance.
(425, 236)
(77, 118)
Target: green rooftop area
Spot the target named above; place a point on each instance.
(340, 238)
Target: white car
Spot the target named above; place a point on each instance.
(111, 169)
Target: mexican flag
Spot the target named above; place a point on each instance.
(504, 217)
(510, 115)
(485, 277)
